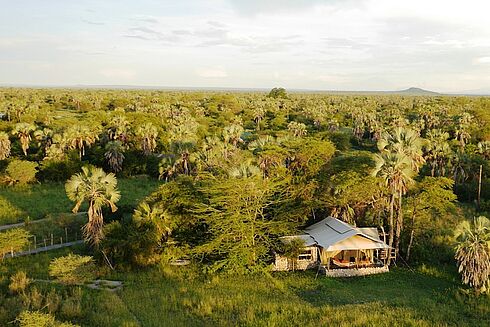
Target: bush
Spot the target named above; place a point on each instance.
(18, 282)
(72, 269)
(21, 172)
(39, 319)
(131, 242)
(13, 240)
(340, 140)
(59, 171)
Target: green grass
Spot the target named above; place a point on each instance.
(181, 296)
(38, 200)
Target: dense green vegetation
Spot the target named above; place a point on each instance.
(183, 296)
(215, 179)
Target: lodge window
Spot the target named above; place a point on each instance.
(305, 255)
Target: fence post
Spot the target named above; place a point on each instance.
(35, 242)
(51, 238)
(66, 234)
(61, 240)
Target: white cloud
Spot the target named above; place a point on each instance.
(483, 60)
(118, 73)
(212, 73)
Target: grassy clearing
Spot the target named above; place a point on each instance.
(37, 201)
(181, 296)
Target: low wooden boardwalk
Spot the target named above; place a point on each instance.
(43, 249)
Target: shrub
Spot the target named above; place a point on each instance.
(71, 308)
(13, 240)
(39, 319)
(72, 269)
(58, 171)
(21, 172)
(9, 213)
(18, 282)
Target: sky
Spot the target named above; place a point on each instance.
(297, 44)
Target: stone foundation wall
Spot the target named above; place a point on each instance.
(284, 264)
(356, 271)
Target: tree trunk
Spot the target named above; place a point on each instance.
(399, 223)
(392, 204)
(409, 248)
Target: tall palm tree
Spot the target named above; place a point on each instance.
(473, 253)
(148, 134)
(114, 155)
(396, 171)
(97, 188)
(23, 132)
(404, 141)
(4, 146)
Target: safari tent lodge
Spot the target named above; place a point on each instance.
(339, 250)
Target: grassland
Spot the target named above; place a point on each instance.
(39, 200)
(181, 296)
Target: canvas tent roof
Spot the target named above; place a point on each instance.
(333, 235)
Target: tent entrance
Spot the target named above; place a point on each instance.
(351, 258)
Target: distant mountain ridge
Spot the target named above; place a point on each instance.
(416, 91)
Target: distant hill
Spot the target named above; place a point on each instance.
(416, 91)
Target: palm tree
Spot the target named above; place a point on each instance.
(484, 149)
(114, 155)
(44, 138)
(462, 128)
(245, 170)
(404, 141)
(297, 129)
(160, 217)
(437, 151)
(79, 137)
(23, 132)
(119, 128)
(148, 134)
(396, 171)
(473, 253)
(258, 115)
(232, 134)
(97, 188)
(4, 146)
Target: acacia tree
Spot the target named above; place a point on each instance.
(97, 188)
(23, 132)
(473, 253)
(4, 146)
(431, 198)
(239, 225)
